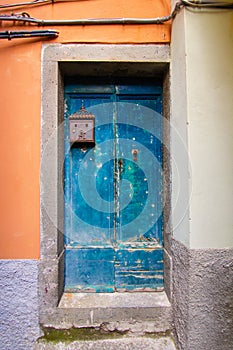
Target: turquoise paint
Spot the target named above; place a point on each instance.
(90, 270)
(113, 206)
(138, 269)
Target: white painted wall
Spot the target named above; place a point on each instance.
(208, 65)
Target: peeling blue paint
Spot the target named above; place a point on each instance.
(138, 269)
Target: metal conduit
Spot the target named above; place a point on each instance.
(208, 4)
(102, 21)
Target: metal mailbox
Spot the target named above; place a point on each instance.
(82, 126)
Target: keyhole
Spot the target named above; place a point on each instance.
(120, 166)
(135, 155)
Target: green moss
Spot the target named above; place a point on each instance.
(54, 335)
(157, 335)
(77, 334)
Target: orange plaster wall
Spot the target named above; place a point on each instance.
(20, 83)
(19, 149)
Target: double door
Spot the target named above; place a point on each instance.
(113, 190)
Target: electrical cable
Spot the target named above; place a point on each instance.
(208, 4)
(195, 3)
(91, 21)
(28, 34)
(25, 18)
(33, 3)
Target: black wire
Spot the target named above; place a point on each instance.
(28, 34)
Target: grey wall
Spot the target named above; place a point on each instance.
(19, 326)
(203, 298)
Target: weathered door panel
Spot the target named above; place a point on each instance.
(140, 130)
(90, 270)
(113, 208)
(89, 201)
(88, 180)
(139, 225)
(138, 269)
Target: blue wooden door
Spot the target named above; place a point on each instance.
(113, 206)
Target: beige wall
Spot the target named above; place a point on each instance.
(206, 70)
(179, 141)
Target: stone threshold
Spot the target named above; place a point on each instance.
(114, 300)
(139, 312)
